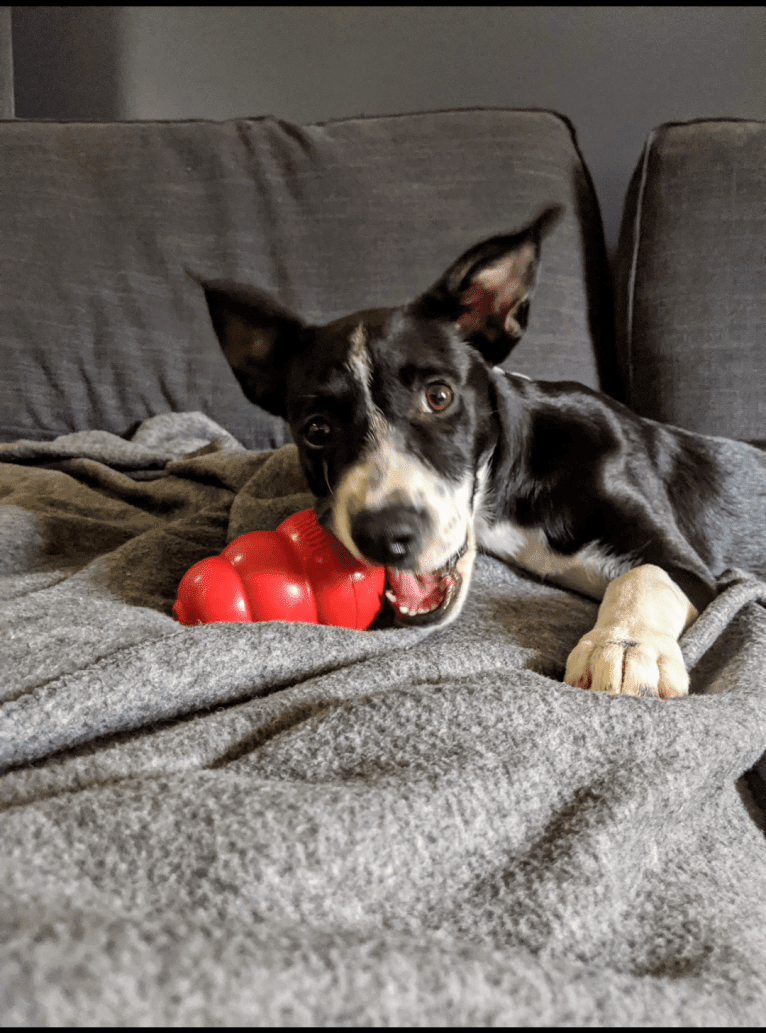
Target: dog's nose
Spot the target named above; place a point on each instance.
(392, 536)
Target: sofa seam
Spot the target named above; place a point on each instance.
(634, 258)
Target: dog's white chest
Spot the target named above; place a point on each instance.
(588, 571)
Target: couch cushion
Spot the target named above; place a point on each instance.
(108, 230)
(691, 279)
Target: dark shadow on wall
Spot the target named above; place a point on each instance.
(66, 62)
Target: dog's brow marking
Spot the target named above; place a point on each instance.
(359, 366)
(358, 361)
(359, 336)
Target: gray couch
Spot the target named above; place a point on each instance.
(289, 824)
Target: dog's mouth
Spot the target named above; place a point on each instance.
(425, 598)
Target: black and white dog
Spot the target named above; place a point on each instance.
(420, 451)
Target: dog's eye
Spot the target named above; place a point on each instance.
(317, 433)
(439, 397)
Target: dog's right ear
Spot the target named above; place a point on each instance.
(487, 291)
(258, 338)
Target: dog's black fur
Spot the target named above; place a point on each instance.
(419, 449)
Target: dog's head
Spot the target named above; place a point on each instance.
(393, 411)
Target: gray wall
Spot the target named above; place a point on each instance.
(615, 71)
(67, 62)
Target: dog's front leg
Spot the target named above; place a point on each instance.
(633, 648)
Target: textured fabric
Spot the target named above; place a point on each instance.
(691, 294)
(108, 230)
(295, 825)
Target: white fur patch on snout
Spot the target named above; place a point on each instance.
(389, 475)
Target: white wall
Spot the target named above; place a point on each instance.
(615, 71)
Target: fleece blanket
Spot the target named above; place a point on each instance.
(289, 824)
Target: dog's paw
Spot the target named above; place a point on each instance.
(633, 649)
(651, 666)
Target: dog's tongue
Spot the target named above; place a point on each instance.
(417, 591)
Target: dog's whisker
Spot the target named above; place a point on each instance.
(325, 470)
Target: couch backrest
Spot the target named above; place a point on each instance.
(108, 230)
(691, 279)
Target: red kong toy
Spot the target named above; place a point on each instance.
(300, 572)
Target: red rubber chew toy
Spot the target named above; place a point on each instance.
(300, 572)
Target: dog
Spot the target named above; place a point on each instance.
(421, 450)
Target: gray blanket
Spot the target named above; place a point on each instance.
(294, 825)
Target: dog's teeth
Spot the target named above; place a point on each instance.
(390, 596)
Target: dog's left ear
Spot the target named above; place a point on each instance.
(488, 289)
(259, 338)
